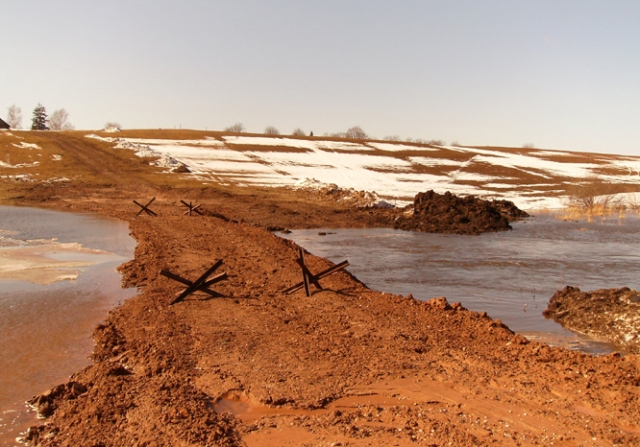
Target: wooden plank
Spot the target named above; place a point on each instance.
(204, 288)
(145, 208)
(197, 283)
(191, 208)
(305, 275)
(320, 275)
(333, 269)
(216, 279)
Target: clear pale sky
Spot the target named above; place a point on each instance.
(556, 74)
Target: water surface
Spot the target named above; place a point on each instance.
(46, 328)
(510, 275)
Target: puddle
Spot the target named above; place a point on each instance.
(58, 280)
(240, 406)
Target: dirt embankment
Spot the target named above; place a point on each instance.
(448, 213)
(609, 314)
(347, 366)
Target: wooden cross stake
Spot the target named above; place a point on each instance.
(145, 208)
(309, 278)
(201, 284)
(191, 207)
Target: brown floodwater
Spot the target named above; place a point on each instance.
(58, 280)
(511, 275)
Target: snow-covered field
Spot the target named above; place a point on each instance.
(396, 171)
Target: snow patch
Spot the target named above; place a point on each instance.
(24, 145)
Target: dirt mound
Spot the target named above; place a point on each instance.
(610, 314)
(448, 213)
(345, 366)
(348, 196)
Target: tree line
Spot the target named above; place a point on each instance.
(59, 119)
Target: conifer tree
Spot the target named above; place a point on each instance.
(39, 120)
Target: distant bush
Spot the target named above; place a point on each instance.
(297, 132)
(529, 146)
(455, 144)
(392, 138)
(356, 133)
(436, 142)
(236, 128)
(270, 130)
(112, 125)
(596, 197)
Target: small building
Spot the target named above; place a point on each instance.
(4, 125)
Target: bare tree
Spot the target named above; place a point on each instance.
(271, 130)
(236, 128)
(14, 117)
(392, 138)
(59, 120)
(297, 132)
(356, 133)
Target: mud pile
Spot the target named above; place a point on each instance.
(609, 314)
(448, 213)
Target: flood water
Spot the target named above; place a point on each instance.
(510, 275)
(46, 326)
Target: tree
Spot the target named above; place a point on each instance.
(270, 130)
(356, 133)
(299, 133)
(39, 120)
(60, 120)
(14, 117)
(112, 125)
(236, 128)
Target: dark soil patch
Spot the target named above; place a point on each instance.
(609, 314)
(448, 213)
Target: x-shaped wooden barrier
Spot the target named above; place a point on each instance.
(308, 277)
(145, 208)
(191, 207)
(201, 284)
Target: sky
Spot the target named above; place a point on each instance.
(553, 74)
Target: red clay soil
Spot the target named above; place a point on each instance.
(347, 366)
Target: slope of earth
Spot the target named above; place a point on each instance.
(608, 314)
(347, 366)
(531, 178)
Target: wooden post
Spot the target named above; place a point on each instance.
(309, 278)
(191, 207)
(145, 208)
(201, 284)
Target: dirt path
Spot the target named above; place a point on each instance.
(347, 366)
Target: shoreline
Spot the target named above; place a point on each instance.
(425, 373)
(171, 364)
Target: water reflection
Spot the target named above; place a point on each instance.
(47, 327)
(510, 275)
